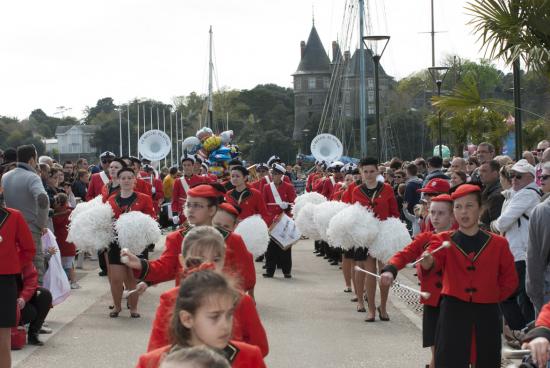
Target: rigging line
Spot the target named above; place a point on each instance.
(338, 71)
(326, 104)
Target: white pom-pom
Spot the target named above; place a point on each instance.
(324, 213)
(354, 226)
(84, 206)
(305, 223)
(92, 229)
(392, 237)
(136, 230)
(255, 234)
(301, 201)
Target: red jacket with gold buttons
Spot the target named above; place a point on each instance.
(251, 203)
(16, 244)
(430, 282)
(142, 203)
(488, 277)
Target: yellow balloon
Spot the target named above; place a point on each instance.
(212, 143)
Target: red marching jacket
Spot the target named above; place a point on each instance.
(251, 203)
(286, 192)
(247, 326)
(141, 203)
(311, 179)
(60, 221)
(16, 244)
(383, 204)
(488, 277)
(329, 188)
(430, 282)
(96, 184)
(29, 274)
(240, 355)
(338, 192)
(179, 195)
(238, 260)
(346, 197)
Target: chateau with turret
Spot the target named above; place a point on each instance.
(312, 84)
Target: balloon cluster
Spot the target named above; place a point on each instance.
(217, 149)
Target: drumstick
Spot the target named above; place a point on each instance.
(276, 204)
(423, 294)
(446, 244)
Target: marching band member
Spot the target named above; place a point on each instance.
(125, 201)
(478, 273)
(279, 196)
(434, 188)
(341, 187)
(379, 198)
(98, 180)
(182, 187)
(228, 184)
(441, 212)
(17, 250)
(204, 245)
(248, 199)
(334, 180)
(203, 315)
(314, 176)
(201, 206)
(157, 191)
(112, 187)
(263, 177)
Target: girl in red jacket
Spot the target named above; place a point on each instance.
(119, 275)
(379, 198)
(200, 207)
(441, 213)
(16, 251)
(60, 220)
(478, 273)
(247, 198)
(205, 244)
(203, 316)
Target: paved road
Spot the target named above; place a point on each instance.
(309, 320)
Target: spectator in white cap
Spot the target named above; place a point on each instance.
(513, 223)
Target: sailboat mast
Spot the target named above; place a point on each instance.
(362, 86)
(210, 121)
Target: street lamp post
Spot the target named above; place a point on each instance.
(438, 74)
(305, 131)
(376, 59)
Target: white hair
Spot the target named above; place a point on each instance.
(45, 160)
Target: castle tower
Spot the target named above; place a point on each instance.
(311, 85)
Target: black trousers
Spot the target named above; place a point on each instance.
(518, 310)
(36, 310)
(102, 261)
(277, 257)
(453, 336)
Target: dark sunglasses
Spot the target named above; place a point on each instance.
(544, 177)
(517, 176)
(540, 149)
(398, 177)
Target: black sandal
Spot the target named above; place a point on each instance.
(354, 300)
(370, 319)
(347, 290)
(114, 314)
(385, 319)
(135, 315)
(361, 309)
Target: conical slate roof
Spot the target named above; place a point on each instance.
(315, 57)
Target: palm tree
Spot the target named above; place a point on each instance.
(512, 29)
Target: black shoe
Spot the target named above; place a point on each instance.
(320, 254)
(267, 275)
(102, 273)
(288, 276)
(260, 259)
(264, 267)
(334, 263)
(34, 340)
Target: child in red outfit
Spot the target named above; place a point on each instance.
(60, 219)
(204, 317)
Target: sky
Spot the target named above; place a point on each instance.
(72, 53)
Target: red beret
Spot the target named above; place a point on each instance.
(464, 190)
(227, 207)
(442, 198)
(204, 191)
(436, 185)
